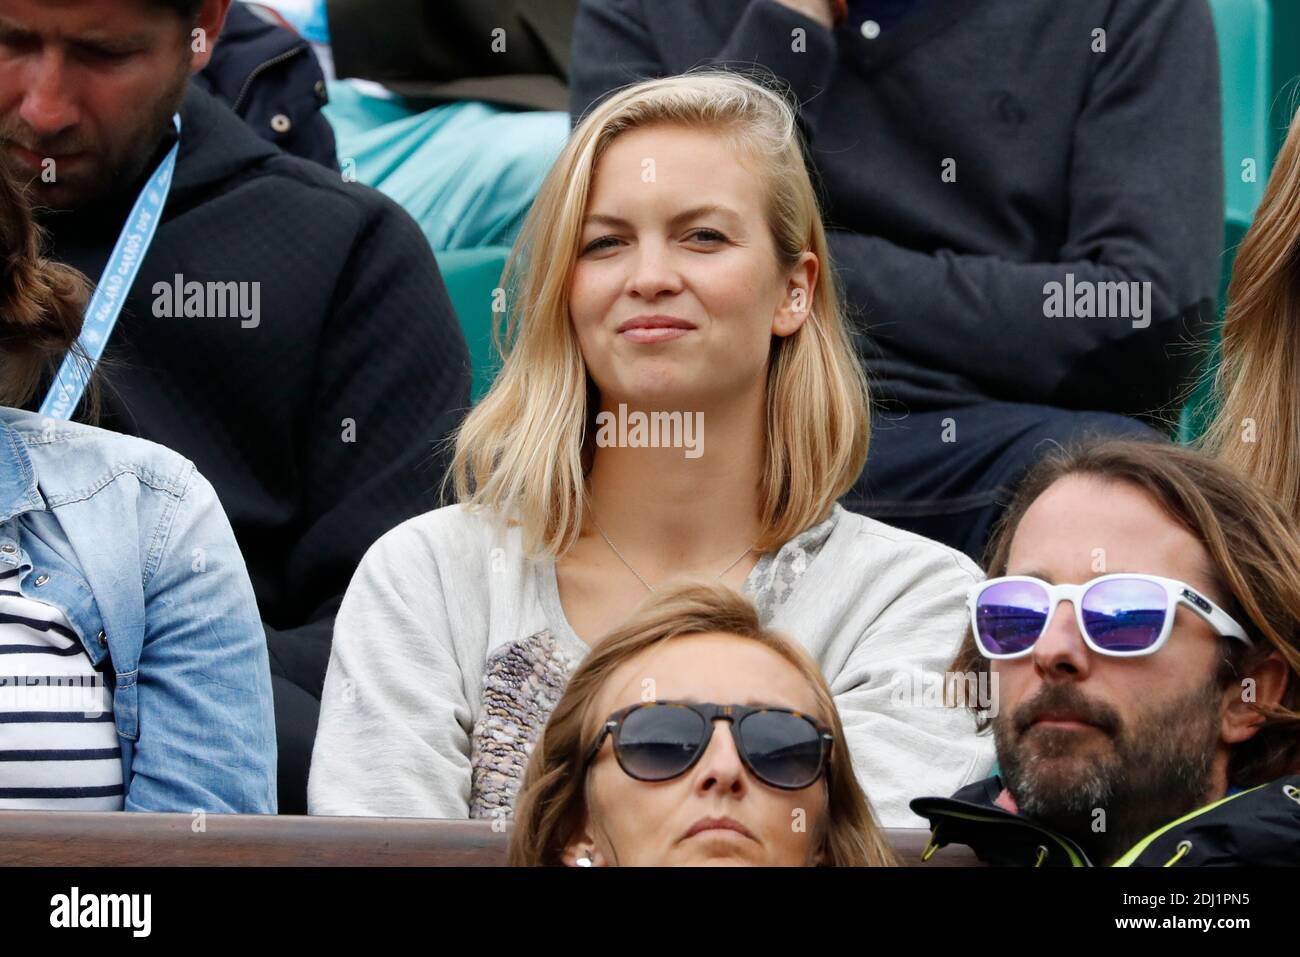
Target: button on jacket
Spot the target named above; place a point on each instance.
(130, 543)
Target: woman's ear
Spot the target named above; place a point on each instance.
(797, 304)
(1264, 684)
(582, 851)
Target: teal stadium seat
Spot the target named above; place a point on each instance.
(472, 277)
(1259, 60)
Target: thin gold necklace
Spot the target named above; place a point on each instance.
(648, 586)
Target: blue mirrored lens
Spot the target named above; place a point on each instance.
(1009, 616)
(1125, 614)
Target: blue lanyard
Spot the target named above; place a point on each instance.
(114, 286)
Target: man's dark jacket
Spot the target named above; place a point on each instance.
(1259, 826)
(317, 426)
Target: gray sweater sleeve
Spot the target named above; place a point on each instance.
(393, 738)
(883, 615)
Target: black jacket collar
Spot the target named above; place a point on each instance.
(216, 145)
(1259, 826)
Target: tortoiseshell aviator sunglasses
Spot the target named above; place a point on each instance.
(661, 740)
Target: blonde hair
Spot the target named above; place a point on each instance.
(551, 806)
(524, 450)
(1259, 375)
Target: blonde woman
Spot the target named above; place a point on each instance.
(1257, 427)
(693, 735)
(672, 271)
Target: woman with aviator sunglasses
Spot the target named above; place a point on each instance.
(693, 736)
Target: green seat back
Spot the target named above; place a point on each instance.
(472, 277)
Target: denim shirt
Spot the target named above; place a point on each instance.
(130, 543)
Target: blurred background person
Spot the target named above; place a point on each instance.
(455, 109)
(268, 73)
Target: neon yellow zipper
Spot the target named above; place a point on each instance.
(1136, 850)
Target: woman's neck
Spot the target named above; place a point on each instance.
(667, 511)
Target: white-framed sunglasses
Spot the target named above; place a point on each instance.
(1122, 615)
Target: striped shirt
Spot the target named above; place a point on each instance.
(58, 744)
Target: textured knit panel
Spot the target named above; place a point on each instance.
(523, 684)
(777, 573)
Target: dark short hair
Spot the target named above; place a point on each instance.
(186, 9)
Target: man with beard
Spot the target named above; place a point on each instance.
(285, 330)
(1142, 625)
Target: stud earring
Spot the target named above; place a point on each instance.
(585, 860)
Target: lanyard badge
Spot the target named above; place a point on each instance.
(114, 285)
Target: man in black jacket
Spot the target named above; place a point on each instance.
(287, 331)
(1025, 203)
(1136, 651)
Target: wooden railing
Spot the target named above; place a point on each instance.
(86, 839)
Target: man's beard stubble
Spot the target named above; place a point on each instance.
(112, 170)
(1154, 770)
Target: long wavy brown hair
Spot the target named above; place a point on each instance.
(1254, 555)
(551, 806)
(41, 302)
(1257, 427)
